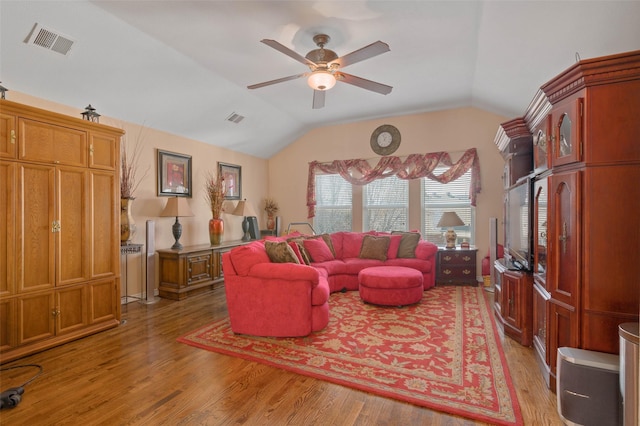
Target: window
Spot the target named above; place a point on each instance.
(385, 205)
(438, 198)
(333, 204)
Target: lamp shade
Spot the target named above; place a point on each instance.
(321, 80)
(244, 209)
(177, 207)
(449, 220)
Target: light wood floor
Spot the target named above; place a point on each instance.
(138, 374)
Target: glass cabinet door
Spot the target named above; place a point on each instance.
(540, 233)
(567, 132)
(541, 145)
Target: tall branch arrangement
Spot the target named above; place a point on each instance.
(129, 166)
(215, 191)
(270, 206)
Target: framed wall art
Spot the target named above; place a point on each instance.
(232, 175)
(174, 174)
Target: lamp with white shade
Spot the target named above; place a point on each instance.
(244, 209)
(449, 220)
(177, 207)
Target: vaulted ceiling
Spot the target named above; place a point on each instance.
(184, 66)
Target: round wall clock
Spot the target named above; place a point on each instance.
(385, 140)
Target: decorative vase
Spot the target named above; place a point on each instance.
(271, 222)
(127, 225)
(216, 228)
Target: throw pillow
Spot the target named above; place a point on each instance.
(394, 244)
(296, 249)
(318, 250)
(408, 244)
(303, 252)
(374, 247)
(280, 252)
(351, 244)
(327, 240)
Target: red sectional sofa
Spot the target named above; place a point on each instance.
(289, 298)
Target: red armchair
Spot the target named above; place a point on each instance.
(273, 299)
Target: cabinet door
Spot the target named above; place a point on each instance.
(71, 309)
(8, 324)
(8, 138)
(540, 298)
(199, 268)
(36, 314)
(8, 261)
(563, 331)
(102, 151)
(511, 298)
(51, 144)
(540, 231)
(104, 301)
(567, 131)
(564, 237)
(36, 227)
(72, 242)
(541, 145)
(497, 292)
(105, 230)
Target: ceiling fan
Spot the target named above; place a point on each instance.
(325, 67)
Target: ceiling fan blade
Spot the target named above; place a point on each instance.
(318, 99)
(279, 80)
(363, 83)
(374, 49)
(291, 53)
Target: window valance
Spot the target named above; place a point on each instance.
(360, 172)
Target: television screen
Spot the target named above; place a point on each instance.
(518, 225)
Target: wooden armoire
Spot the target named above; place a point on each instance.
(585, 126)
(59, 229)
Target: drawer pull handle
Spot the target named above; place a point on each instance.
(466, 271)
(467, 258)
(447, 258)
(13, 137)
(447, 271)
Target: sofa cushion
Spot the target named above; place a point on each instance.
(351, 244)
(280, 252)
(244, 257)
(318, 250)
(374, 247)
(394, 244)
(408, 243)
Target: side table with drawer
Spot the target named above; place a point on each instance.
(456, 266)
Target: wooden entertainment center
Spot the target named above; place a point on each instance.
(581, 134)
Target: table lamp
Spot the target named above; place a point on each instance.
(449, 220)
(177, 207)
(244, 209)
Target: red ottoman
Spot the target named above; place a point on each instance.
(390, 285)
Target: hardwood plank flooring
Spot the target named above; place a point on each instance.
(138, 374)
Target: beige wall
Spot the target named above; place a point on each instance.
(284, 176)
(453, 131)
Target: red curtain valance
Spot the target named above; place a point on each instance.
(360, 172)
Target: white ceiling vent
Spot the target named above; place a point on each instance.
(235, 118)
(50, 39)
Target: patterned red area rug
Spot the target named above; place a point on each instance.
(443, 353)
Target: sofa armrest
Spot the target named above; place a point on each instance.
(426, 250)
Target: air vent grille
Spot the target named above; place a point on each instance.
(50, 40)
(235, 118)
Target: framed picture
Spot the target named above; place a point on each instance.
(232, 175)
(174, 174)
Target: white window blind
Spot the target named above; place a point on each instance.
(333, 204)
(439, 198)
(386, 205)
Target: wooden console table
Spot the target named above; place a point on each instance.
(192, 270)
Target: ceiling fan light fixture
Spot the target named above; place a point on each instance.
(321, 80)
